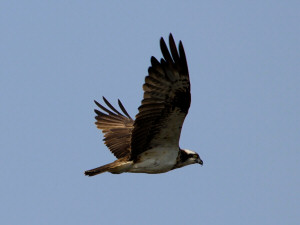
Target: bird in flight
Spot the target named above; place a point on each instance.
(150, 143)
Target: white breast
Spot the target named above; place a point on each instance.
(156, 160)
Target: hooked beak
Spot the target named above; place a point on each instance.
(200, 162)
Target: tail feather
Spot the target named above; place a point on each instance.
(98, 170)
(116, 167)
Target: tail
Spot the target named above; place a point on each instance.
(98, 170)
(116, 167)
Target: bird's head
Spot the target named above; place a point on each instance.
(188, 157)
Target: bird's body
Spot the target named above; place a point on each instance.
(156, 160)
(150, 143)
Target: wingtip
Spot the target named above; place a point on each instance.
(162, 43)
(104, 99)
(181, 51)
(180, 44)
(154, 61)
(97, 103)
(171, 37)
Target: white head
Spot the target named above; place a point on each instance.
(188, 157)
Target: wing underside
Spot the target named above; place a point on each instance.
(117, 128)
(166, 101)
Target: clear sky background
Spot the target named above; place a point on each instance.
(56, 57)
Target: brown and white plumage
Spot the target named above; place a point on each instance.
(150, 144)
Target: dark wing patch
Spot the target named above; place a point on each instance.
(117, 128)
(166, 101)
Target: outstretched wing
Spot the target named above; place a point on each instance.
(166, 101)
(117, 128)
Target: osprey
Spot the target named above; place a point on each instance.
(150, 143)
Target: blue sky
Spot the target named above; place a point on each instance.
(58, 56)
